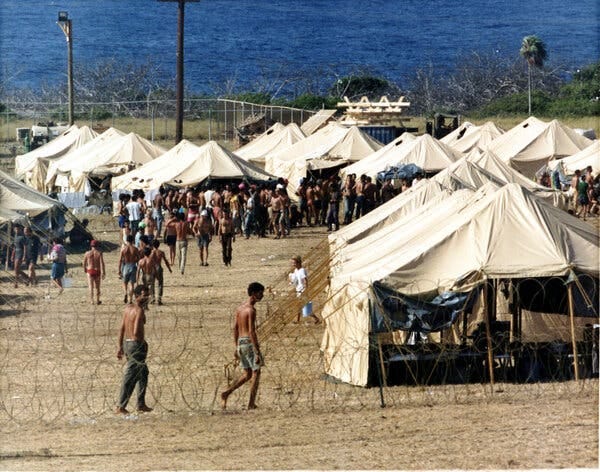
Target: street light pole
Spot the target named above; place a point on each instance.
(66, 26)
(179, 77)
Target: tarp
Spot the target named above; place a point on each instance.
(388, 156)
(275, 139)
(472, 137)
(188, 164)
(532, 144)
(32, 167)
(64, 165)
(508, 233)
(590, 156)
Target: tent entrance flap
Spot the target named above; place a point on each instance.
(392, 310)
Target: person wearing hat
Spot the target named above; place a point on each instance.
(93, 266)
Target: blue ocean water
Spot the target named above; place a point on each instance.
(246, 42)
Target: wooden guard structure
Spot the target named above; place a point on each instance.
(367, 112)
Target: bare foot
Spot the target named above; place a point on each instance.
(144, 409)
(224, 397)
(121, 411)
(252, 407)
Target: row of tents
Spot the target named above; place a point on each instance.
(286, 151)
(435, 240)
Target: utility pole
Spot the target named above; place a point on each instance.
(179, 77)
(65, 25)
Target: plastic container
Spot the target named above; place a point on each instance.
(307, 310)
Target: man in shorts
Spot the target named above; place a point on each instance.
(247, 350)
(128, 259)
(93, 266)
(203, 230)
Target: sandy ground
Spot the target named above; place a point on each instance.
(59, 380)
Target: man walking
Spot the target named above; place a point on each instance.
(247, 350)
(133, 345)
(93, 266)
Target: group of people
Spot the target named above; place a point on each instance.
(26, 249)
(585, 190)
(247, 352)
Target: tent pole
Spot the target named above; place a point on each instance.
(488, 335)
(573, 337)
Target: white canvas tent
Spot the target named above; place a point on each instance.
(188, 164)
(382, 159)
(590, 156)
(62, 166)
(532, 144)
(275, 139)
(472, 137)
(113, 156)
(506, 234)
(389, 212)
(331, 146)
(495, 166)
(32, 167)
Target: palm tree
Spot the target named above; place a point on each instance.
(534, 52)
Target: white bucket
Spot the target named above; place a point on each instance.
(307, 310)
(67, 282)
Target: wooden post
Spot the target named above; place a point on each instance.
(573, 337)
(488, 334)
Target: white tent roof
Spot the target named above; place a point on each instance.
(508, 233)
(17, 196)
(114, 156)
(275, 139)
(188, 164)
(68, 161)
(382, 159)
(429, 154)
(590, 156)
(473, 137)
(530, 145)
(331, 146)
(33, 166)
(499, 169)
(389, 212)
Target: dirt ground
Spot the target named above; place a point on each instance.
(59, 380)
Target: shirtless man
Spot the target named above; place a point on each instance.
(371, 195)
(247, 350)
(128, 258)
(226, 236)
(203, 229)
(277, 212)
(182, 229)
(93, 266)
(310, 203)
(170, 236)
(133, 345)
(146, 272)
(149, 226)
(158, 257)
(360, 197)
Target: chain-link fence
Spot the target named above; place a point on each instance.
(212, 119)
